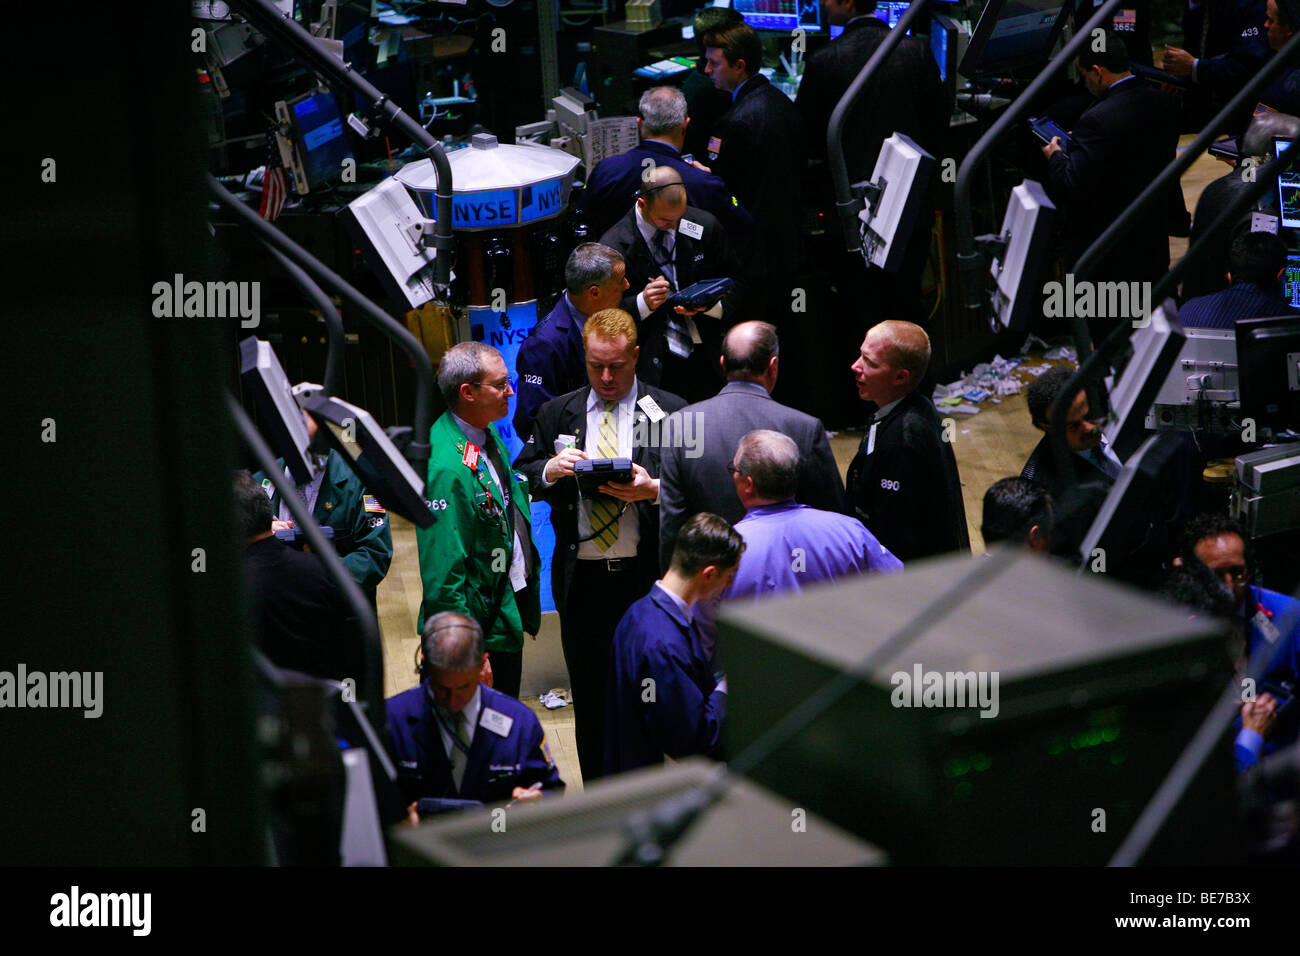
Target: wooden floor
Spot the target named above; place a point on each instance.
(989, 446)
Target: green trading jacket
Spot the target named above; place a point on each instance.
(361, 535)
(465, 554)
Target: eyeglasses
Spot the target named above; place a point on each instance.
(510, 382)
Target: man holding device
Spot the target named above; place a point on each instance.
(606, 547)
(668, 247)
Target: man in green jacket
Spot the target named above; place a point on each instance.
(478, 556)
(339, 500)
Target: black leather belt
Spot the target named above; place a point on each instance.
(610, 564)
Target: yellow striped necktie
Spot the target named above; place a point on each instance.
(604, 510)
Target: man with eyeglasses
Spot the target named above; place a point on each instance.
(1267, 618)
(478, 556)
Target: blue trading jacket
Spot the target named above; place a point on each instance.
(655, 642)
(497, 764)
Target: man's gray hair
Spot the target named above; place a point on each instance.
(452, 642)
(590, 264)
(461, 364)
(772, 460)
(662, 109)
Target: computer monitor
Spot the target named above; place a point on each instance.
(1291, 279)
(389, 229)
(810, 16)
(1012, 34)
(279, 417)
(1155, 350)
(1268, 371)
(319, 131)
(781, 15)
(1288, 188)
(1027, 226)
(944, 31)
(890, 12)
(903, 173)
(372, 456)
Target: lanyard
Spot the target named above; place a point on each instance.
(313, 492)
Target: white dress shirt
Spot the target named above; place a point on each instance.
(629, 531)
(648, 230)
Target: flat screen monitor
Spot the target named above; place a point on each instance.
(1012, 34)
(944, 32)
(782, 15)
(1268, 371)
(1291, 279)
(321, 138)
(279, 417)
(890, 13)
(1027, 226)
(1288, 188)
(903, 172)
(1155, 350)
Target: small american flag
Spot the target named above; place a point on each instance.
(1125, 16)
(274, 185)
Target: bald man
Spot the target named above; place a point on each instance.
(903, 482)
(695, 475)
(669, 245)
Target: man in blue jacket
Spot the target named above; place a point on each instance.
(616, 181)
(454, 737)
(1266, 617)
(663, 697)
(553, 361)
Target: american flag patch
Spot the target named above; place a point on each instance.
(1126, 16)
(372, 506)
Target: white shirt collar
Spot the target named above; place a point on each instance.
(647, 229)
(625, 404)
(470, 711)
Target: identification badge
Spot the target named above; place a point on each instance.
(496, 722)
(372, 504)
(648, 405)
(565, 441)
(692, 229)
(1265, 626)
(1263, 222)
(471, 456)
(268, 487)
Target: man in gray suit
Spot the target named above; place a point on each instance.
(690, 484)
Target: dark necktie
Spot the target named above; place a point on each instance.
(517, 522)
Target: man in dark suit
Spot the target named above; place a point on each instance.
(668, 246)
(1256, 261)
(906, 96)
(615, 182)
(1117, 148)
(903, 482)
(664, 698)
(552, 361)
(606, 556)
(1091, 457)
(1094, 464)
(757, 147)
(300, 618)
(1235, 50)
(695, 469)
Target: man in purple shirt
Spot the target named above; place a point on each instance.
(789, 545)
